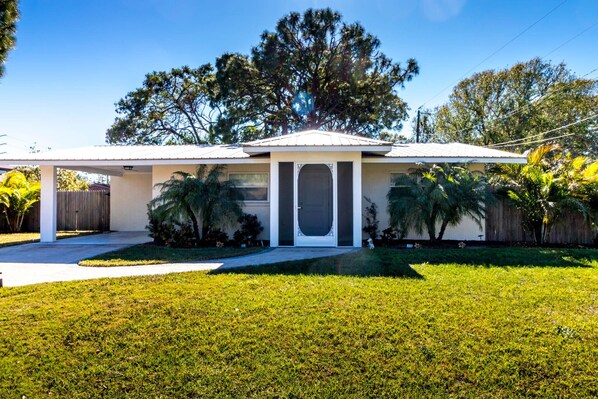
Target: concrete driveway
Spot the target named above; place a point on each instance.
(42, 263)
(71, 250)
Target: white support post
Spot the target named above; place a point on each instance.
(47, 227)
(357, 211)
(273, 201)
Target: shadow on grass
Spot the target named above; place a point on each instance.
(398, 263)
(363, 263)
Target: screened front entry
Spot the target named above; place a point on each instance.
(315, 205)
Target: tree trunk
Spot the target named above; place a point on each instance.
(205, 228)
(431, 225)
(442, 230)
(195, 226)
(538, 233)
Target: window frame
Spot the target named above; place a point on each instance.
(266, 186)
(392, 174)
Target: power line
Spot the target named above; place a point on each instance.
(571, 39)
(532, 103)
(539, 141)
(518, 141)
(496, 51)
(538, 100)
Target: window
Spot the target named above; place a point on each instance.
(412, 172)
(393, 178)
(251, 186)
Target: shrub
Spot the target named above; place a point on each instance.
(371, 219)
(168, 232)
(17, 196)
(389, 234)
(437, 196)
(213, 237)
(250, 229)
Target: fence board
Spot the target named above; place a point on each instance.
(75, 210)
(503, 223)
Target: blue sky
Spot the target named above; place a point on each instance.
(74, 59)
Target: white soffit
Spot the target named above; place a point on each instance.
(449, 152)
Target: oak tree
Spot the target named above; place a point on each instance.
(521, 103)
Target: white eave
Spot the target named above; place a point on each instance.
(445, 153)
(111, 159)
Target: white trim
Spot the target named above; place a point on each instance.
(357, 203)
(47, 217)
(274, 197)
(319, 148)
(316, 241)
(443, 160)
(133, 162)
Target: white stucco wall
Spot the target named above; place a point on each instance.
(131, 193)
(161, 173)
(376, 183)
(129, 196)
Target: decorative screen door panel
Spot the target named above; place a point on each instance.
(315, 205)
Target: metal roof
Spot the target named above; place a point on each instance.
(448, 150)
(112, 157)
(325, 141)
(135, 152)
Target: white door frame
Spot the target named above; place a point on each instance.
(329, 240)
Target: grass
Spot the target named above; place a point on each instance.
(398, 263)
(9, 239)
(150, 254)
(515, 323)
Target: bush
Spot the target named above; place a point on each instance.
(389, 234)
(167, 232)
(214, 236)
(250, 229)
(371, 219)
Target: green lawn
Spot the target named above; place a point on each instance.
(150, 254)
(8, 239)
(515, 323)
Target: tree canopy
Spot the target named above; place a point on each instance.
(174, 107)
(521, 103)
(335, 70)
(9, 15)
(66, 180)
(312, 71)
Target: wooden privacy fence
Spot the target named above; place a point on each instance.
(503, 223)
(76, 210)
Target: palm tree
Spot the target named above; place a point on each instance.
(202, 197)
(548, 184)
(17, 196)
(440, 196)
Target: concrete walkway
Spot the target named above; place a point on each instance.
(42, 263)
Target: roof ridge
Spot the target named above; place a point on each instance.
(314, 131)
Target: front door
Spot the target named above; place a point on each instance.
(315, 205)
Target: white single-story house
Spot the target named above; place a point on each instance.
(307, 188)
